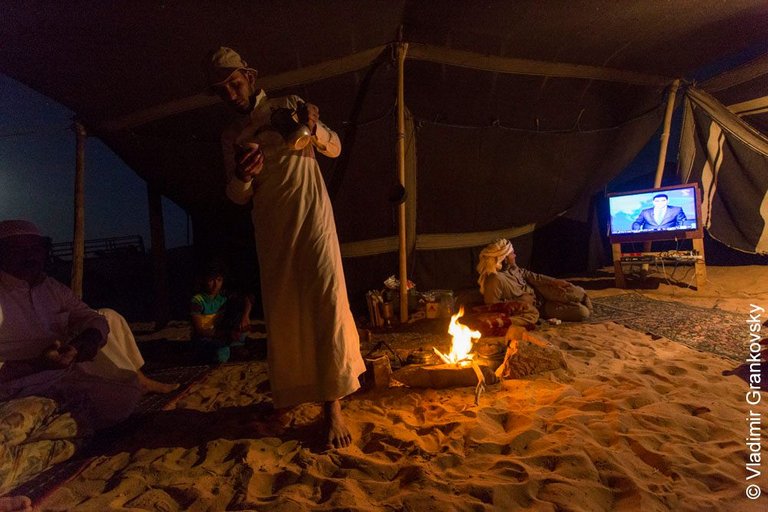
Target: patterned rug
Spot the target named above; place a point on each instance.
(184, 375)
(710, 330)
(44, 483)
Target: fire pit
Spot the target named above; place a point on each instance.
(458, 368)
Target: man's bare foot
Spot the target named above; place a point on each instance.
(15, 504)
(339, 435)
(154, 386)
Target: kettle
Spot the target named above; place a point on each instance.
(291, 124)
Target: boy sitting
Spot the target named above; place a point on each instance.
(219, 320)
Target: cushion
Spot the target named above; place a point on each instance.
(34, 436)
(494, 319)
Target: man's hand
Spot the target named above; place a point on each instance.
(313, 116)
(249, 161)
(245, 323)
(59, 356)
(87, 344)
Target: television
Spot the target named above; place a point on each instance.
(665, 213)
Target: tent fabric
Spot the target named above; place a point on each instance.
(519, 109)
(730, 161)
(744, 90)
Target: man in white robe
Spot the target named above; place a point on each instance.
(54, 345)
(314, 349)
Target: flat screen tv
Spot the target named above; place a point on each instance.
(666, 213)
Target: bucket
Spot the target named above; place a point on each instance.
(491, 352)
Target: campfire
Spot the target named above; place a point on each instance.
(458, 367)
(461, 345)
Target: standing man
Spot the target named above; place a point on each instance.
(314, 349)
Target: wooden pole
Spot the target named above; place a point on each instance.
(665, 133)
(402, 49)
(78, 237)
(663, 150)
(159, 267)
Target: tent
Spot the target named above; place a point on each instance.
(515, 111)
(724, 147)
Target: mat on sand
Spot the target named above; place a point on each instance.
(711, 330)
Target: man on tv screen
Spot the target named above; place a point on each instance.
(661, 216)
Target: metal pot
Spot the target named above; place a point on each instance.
(421, 356)
(490, 353)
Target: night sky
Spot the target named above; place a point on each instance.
(37, 170)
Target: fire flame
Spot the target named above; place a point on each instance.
(462, 340)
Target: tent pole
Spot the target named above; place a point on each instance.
(78, 237)
(663, 150)
(402, 48)
(665, 133)
(159, 267)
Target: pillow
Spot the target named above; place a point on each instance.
(34, 436)
(494, 319)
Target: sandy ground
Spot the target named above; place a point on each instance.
(632, 424)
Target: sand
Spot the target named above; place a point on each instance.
(633, 424)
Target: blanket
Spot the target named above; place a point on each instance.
(34, 435)
(494, 319)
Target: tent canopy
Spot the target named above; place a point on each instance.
(517, 109)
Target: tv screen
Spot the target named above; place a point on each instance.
(663, 213)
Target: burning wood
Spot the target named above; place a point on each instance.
(461, 347)
(462, 342)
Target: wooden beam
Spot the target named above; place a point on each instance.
(293, 78)
(161, 312)
(430, 242)
(750, 107)
(402, 49)
(78, 237)
(515, 66)
(665, 133)
(362, 59)
(618, 269)
(749, 71)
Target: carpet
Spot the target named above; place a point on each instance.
(710, 330)
(184, 375)
(44, 483)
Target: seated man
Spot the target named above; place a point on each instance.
(502, 280)
(54, 345)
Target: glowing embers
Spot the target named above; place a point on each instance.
(462, 342)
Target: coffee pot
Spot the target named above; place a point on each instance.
(292, 125)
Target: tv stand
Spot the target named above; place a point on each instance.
(645, 258)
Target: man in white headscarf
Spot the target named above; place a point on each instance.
(502, 280)
(313, 344)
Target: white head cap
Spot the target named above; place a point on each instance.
(491, 258)
(16, 227)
